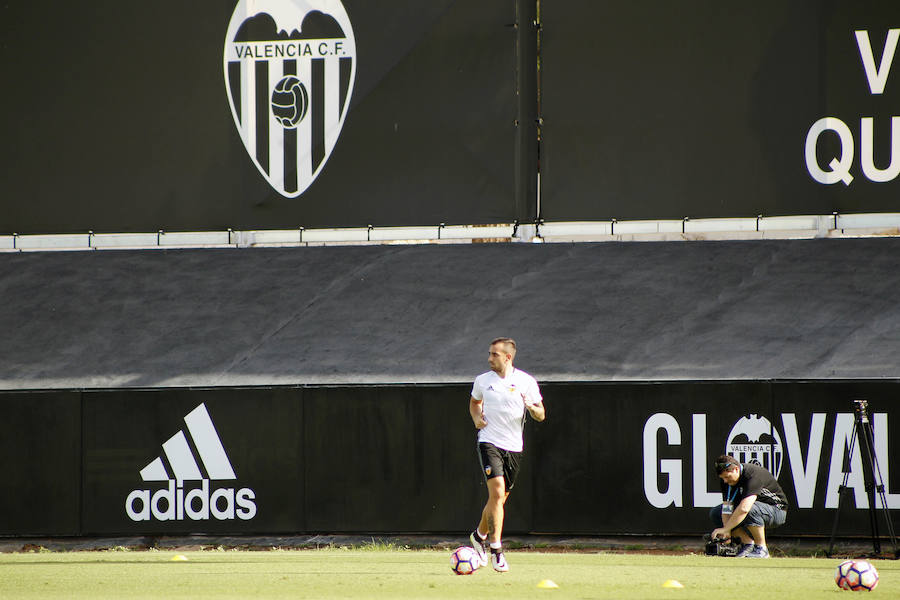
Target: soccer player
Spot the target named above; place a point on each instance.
(500, 400)
(753, 500)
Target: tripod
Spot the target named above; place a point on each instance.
(862, 430)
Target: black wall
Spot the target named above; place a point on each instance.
(695, 108)
(391, 459)
(42, 456)
(116, 118)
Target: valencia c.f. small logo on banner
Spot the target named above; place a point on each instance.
(289, 72)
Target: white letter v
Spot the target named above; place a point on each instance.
(877, 76)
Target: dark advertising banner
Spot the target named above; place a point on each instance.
(623, 458)
(638, 458)
(665, 110)
(266, 114)
(40, 450)
(219, 461)
(279, 460)
(391, 459)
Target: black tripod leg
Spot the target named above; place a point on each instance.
(879, 489)
(842, 491)
(837, 515)
(868, 456)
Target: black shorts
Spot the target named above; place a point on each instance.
(497, 462)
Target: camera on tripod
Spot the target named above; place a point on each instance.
(861, 408)
(863, 435)
(720, 547)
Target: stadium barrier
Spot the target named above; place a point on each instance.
(611, 458)
(686, 229)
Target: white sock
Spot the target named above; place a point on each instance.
(483, 536)
(496, 545)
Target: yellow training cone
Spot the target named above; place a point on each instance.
(179, 557)
(547, 584)
(671, 583)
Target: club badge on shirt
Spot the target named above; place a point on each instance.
(511, 388)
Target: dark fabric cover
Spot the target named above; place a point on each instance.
(407, 314)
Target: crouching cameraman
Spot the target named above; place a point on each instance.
(752, 502)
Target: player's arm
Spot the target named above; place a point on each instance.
(534, 403)
(476, 412)
(536, 410)
(735, 518)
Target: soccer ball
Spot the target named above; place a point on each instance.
(464, 561)
(290, 101)
(856, 575)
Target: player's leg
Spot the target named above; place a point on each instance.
(492, 516)
(494, 513)
(492, 469)
(501, 493)
(478, 541)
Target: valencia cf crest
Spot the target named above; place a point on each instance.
(289, 72)
(753, 439)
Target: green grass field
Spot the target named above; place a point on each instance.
(392, 573)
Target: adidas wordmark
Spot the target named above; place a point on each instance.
(175, 502)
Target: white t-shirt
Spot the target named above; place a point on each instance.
(504, 407)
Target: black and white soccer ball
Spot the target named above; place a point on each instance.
(290, 102)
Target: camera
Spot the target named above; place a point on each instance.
(720, 547)
(861, 408)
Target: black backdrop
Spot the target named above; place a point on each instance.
(696, 108)
(393, 459)
(115, 118)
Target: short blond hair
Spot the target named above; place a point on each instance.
(508, 342)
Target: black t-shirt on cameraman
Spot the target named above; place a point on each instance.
(755, 480)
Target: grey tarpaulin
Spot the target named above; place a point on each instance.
(416, 314)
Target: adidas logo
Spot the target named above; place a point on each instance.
(175, 502)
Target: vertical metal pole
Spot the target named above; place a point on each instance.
(865, 446)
